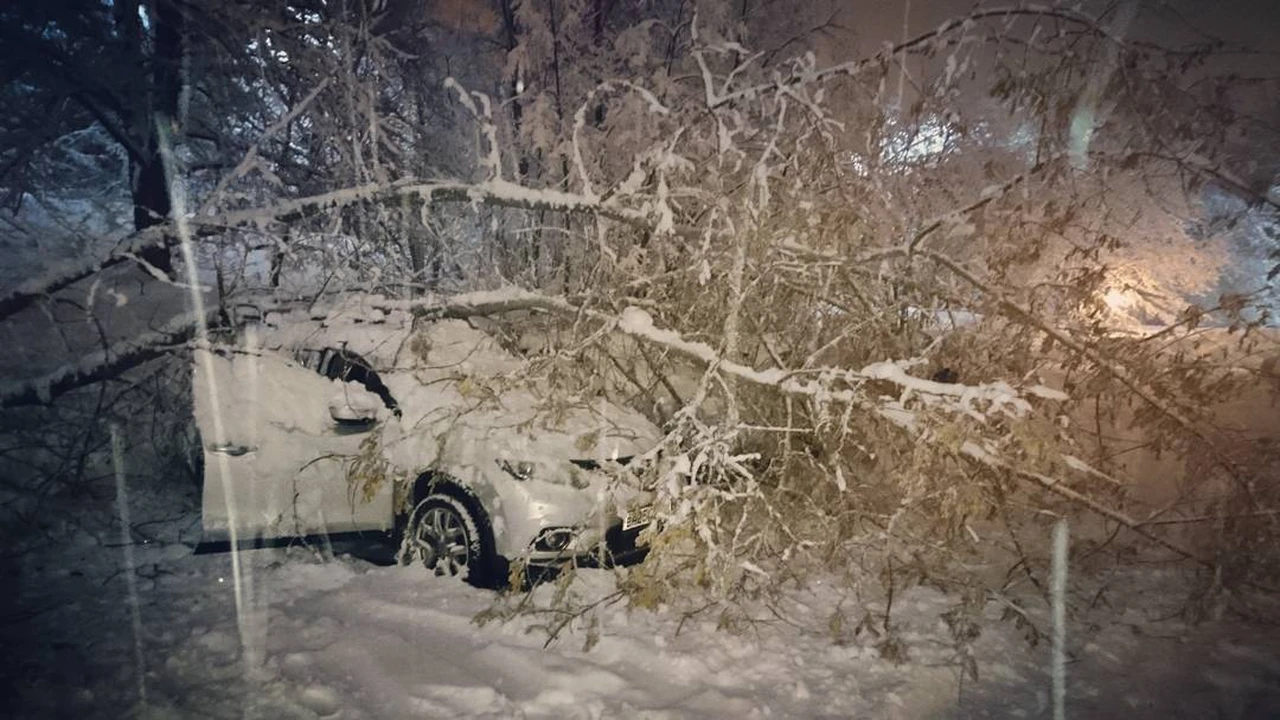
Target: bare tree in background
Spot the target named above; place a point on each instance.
(119, 66)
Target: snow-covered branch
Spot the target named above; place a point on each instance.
(483, 115)
(494, 192)
(580, 121)
(62, 277)
(639, 324)
(99, 366)
(998, 397)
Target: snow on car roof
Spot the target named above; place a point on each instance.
(464, 395)
(360, 323)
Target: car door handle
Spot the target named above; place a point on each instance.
(232, 449)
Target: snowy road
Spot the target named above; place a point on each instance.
(345, 639)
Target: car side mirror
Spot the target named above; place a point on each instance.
(354, 409)
(352, 423)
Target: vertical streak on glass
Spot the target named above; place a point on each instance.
(126, 543)
(1058, 590)
(1090, 113)
(254, 615)
(902, 59)
(204, 360)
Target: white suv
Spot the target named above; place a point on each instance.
(359, 419)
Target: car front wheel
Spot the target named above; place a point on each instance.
(444, 535)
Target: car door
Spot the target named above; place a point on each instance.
(279, 439)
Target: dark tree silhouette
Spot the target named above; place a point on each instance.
(73, 64)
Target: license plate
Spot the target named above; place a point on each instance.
(638, 517)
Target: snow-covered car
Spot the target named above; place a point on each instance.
(362, 419)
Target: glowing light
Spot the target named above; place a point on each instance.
(1118, 299)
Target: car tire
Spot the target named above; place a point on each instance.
(449, 539)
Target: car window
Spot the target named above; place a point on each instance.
(343, 364)
(589, 464)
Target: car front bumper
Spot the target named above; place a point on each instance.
(616, 547)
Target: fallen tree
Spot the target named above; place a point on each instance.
(783, 253)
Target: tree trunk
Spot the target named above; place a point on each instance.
(150, 186)
(151, 207)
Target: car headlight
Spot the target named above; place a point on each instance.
(554, 539)
(518, 470)
(525, 471)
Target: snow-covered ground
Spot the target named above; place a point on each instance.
(337, 637)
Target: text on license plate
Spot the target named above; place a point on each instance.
(637, 517)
